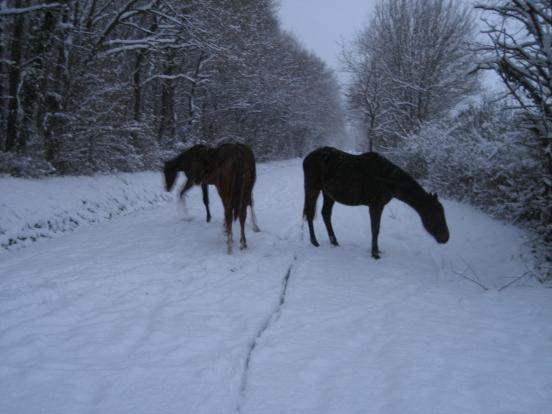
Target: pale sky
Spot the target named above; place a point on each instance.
(323, 25)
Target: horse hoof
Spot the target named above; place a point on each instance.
(315, 243)
(256, 229)
(208, 219)
(334, 242)
(376, 256)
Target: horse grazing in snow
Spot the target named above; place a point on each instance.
(231, 169)
(365, 179)
(194, 164)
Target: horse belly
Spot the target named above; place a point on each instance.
(347, 196)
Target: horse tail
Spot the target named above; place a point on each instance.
(250, 176)
(306, 203)
(238, 189)
(312, 172)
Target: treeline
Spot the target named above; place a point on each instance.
(103, 85)
(414, 95)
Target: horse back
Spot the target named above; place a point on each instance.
(348, 178)
(230, 155)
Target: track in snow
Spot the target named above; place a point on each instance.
(272, 318)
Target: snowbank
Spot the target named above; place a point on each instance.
(33, 209)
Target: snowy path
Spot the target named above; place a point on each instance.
(147, 314)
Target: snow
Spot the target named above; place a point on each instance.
(44, 208)
(145, 313)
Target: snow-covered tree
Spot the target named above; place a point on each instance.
(102, 85)
(478, 154)
(519, 50)
(410, 65)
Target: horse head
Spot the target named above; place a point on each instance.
(433, 219)
(193, 162)
(170, 171)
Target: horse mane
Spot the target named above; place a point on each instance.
(175, 162)
(393, 174)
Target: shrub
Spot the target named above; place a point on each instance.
(481, 155)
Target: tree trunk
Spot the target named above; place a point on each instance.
(192, 104)
(167, 118)
(2, 81)
(14, 79)
(137, 87)
(54, 122)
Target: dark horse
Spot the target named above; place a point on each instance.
(366, 179)
(231, 169)
(194, 163)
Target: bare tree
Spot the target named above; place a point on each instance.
(411, 64)
(365, 94)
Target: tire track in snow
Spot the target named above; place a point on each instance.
(270, 320)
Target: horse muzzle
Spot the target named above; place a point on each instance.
(443, 238)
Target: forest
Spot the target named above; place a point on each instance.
(101, 85)
(119, 86)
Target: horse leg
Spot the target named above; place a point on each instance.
(375, 219)
(327, 216)
(189, 184)
(243, 216)
(205, 191)
(311, 195)
(228, 226)
(256, 228)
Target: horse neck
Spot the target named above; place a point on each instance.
(413, 195)
(178, 162)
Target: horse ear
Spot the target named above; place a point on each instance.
(436, 196)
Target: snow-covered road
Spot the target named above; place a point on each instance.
(147, 314)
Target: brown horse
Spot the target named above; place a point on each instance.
(366, 179)
(231, 168)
